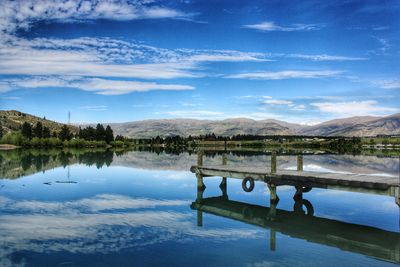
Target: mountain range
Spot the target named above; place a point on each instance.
(353, 126)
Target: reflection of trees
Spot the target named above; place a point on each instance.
(99, 158)
(17, 163)
(212, 152)
(26, 162)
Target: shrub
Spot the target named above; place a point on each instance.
(14, 138)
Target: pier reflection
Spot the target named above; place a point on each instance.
(301, 223)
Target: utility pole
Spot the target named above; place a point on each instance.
(69, 117)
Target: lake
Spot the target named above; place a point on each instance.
(138, 208)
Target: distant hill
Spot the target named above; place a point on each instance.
(357, 126)
(11, 120)
(354, 126)
(186, 127)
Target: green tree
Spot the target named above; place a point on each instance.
(65, 133)
(26, 130)
(109, 135)
(100, 132)
(14, 138)
(1, 131)
(38, 130)
(372, 142)
(46, 132)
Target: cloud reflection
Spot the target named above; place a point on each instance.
(101, 224)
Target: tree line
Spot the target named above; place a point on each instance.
(65, 134)
(40, 135)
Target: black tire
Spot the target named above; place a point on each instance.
(306, 189)
(244, 184)
(298, 208)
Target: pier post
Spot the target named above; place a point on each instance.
(224, 159)
(273, 197)
(223, 184)
(200, 190)
(199, 218)
(200, 156)
(223, 187)
(299, 163)
(299, 193)
(200, 184)
(272, 239)
(273, 162)
(273, 201)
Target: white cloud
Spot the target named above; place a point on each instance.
(70, 63)
(225, 55)
(95, 108)
(353, 108)
(11, 97)
(20, 14)
(186, 104)
(278, 102)
(388, 84)
(79, 226)
(196, 114)
(271, 26)
(97, 85)
(287, 74)
(103, 57)
(324, 57)
(300, 107)
(384, 46)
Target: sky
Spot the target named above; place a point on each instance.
(114, 61)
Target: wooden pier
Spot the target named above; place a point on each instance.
(304, 181)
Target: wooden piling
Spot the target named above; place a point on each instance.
(273, 162)
(200, 184)
(272, 239)
(299, 193)
(200, 156)
(224, 159)
(223, 184)
(272, 193)
(199, 218)
(223, 187)
(300, 163)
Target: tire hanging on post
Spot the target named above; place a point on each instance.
(244, 184)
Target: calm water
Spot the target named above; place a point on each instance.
(136, 209)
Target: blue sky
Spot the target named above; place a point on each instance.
(115, 61)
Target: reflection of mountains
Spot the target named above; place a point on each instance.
(335, 163)
(18, 163)
(365, 240)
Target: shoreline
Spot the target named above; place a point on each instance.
(8, 147)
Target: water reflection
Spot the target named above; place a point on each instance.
(97, 225)
(18, 163)
(301, 223)
(129, 206)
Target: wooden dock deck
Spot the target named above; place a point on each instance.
(302, 180)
